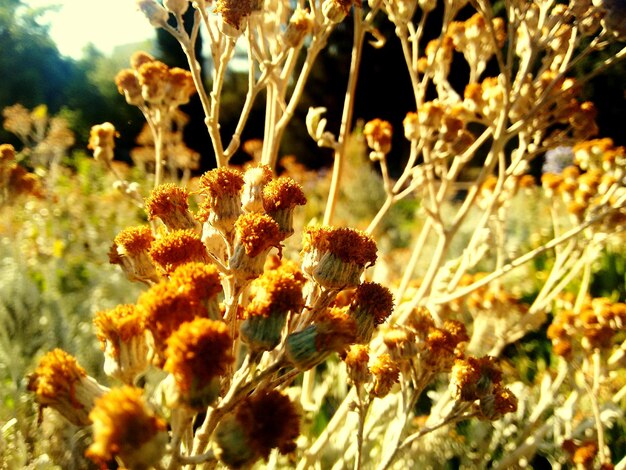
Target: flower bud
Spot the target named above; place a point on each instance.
(300, 25)
(332, 332)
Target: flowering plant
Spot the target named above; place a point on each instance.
(216, 363)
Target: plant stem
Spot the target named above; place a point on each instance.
(346, 118)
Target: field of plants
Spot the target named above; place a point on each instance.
(448, 293)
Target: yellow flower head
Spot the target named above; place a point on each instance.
(474, 378)
(125, 428)
(280, 197)
(177, 248)
(201, 281)
(371, 305)
(165, 307)
(276, 291)
(169, 203)
(261, 422)
(257, 233)
(222, 206)
(117, 326)
(153, 80)
(356, 361)
(336, 257)
(386, 374)
(60, 382)
(139, 58)
(198, 352)
(378, 134)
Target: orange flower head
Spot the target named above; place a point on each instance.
(222, 188)
(165, 307)
(300, 25)
(441, 344)
(153, 78)
(411, 126)
(101, 141)
(197, 355)
(386, 374)
(181, 86)
(474, 378)
(356, 361)
(200, 281)
(169, 203)
(134, 241)
(234, 11)
(124, 427)
(139, 58)
(117, 326)
(421, 321)
(336, 257)
(276, 293)
(257, 233)
(497, 404)
(128, 85)
(401, 343)
(130, 250)
(378, 134)
(263, 421)
(7, 154)
(60, 382)
(221, 182)
(122, 337)
(372, 304)
(280, 197)
(177, 248)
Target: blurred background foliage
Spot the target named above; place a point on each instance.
(34, 73)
